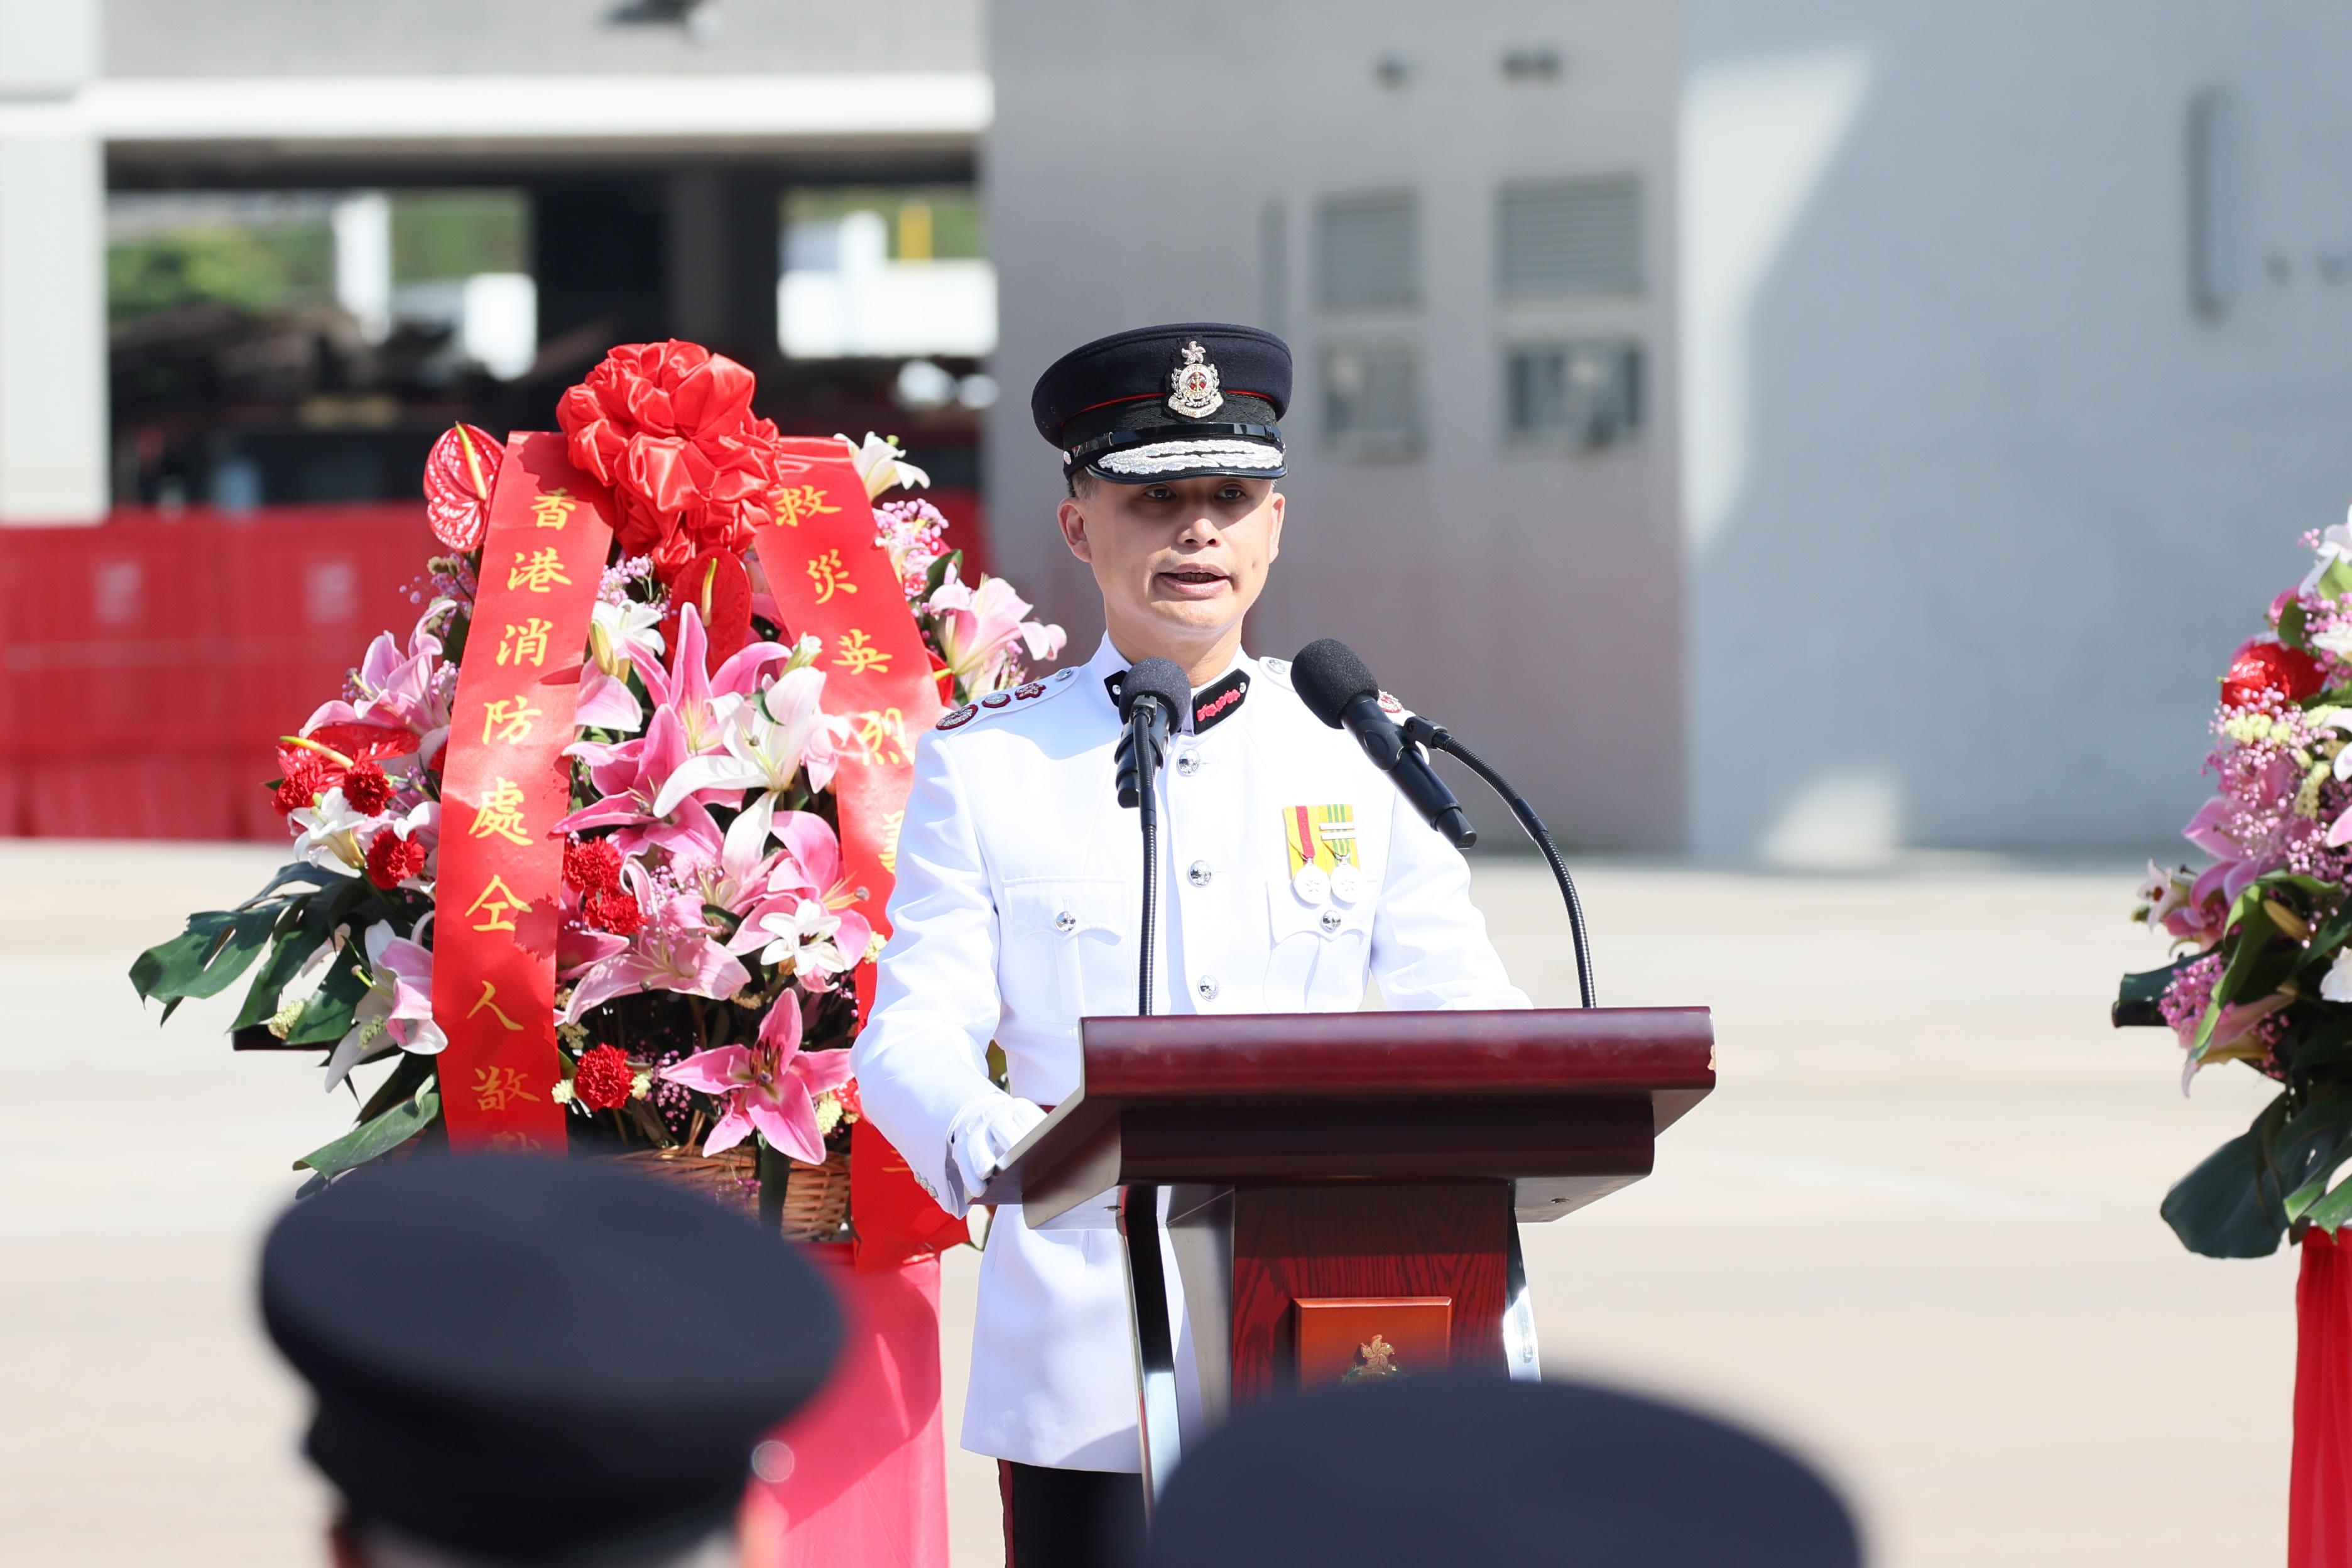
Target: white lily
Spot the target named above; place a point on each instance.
(800, 939)
(331, 832)
(2335, 985)
(399, 1002)
(764, 743)
(620, 635)
(2335, 544)
(881, 467)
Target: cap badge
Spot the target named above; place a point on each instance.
(1192, 385)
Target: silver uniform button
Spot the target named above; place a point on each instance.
(1065, 922)
(1331, 919)
(1188, 763)
(1199, 874)
(1206, 988)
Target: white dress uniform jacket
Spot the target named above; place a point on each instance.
(1019, 892)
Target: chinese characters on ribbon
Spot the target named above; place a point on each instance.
(505, 784)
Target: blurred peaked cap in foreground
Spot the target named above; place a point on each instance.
(1457, 1470)
(1179, 401)
(526, 1358)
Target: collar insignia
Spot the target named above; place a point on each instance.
(1193, 386)
(1211, 705)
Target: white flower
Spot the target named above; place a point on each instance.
(2335, 545)
(763, 743)
(881, 467)
(2163, 892)
(331, 832)
(563, 1092)
(799, 939)
(2337, 984)
(621, 634)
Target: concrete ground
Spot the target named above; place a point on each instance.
(1912, 1233)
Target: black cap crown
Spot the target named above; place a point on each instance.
(525, 1359)
(1168, 403)
(1480, 1469)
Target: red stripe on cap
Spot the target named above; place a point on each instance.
(1154, 396)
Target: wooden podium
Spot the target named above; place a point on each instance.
(1338, 1190)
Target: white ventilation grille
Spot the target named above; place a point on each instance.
(1576, 237)
(1369, 252)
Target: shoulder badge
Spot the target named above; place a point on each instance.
(1193, 386)
(1027, 693)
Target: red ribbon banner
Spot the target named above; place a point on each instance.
(505, 784)
(833, 582)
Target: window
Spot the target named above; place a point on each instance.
(1586, 393)
(1369, 254)
(1371, 401)
(1576, 237)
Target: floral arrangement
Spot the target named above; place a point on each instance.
(2262, 931)
(707, 950)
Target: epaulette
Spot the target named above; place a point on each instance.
(1027, 694)
(1280, 670)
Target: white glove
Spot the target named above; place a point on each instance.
(981, 1139)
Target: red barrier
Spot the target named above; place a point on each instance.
(148, 665)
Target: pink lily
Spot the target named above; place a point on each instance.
(702, 700)
(674, 951)
(764, 743)
(631, 776)
(770, 1087)
(399, 1004)
(410, 691)
(977, 626)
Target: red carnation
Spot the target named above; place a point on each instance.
(366, 790)
(309, 775)
(392, 859)
(614, 912)
(591, 865)
(604, 1079)
(2260, 668)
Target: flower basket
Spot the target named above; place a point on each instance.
(816, 1201)
(2261, 973)
(596, 857)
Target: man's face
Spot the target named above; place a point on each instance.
(1180, 562)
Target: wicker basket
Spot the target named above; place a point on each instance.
(816, 1198)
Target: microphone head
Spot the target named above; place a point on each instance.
(1327, 676)
(1159, 678)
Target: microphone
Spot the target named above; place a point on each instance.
(1150, 696)
(1338, 689)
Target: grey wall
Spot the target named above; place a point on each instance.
(527, 37)
(1150, 162)
(1978, 505)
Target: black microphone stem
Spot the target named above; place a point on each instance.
(1423, 733)
(1148, 803)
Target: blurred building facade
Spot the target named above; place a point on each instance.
(1989, 359)
(1785, 428)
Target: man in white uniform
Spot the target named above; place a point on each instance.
(1291, 874)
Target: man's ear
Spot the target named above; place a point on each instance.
(1074, 530)
(1273, 532)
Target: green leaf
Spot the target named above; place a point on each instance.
(326, 1017)
(2136, 997)
(2309, 1147)
(2230, 1205)
(297, 871)
(218, 946)
(303, 930)
(2291, 630)
(951, 561)
(2333, 1210)
(399, 1084)
(2255, 932)
(2337, 581)
(377, 1137)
